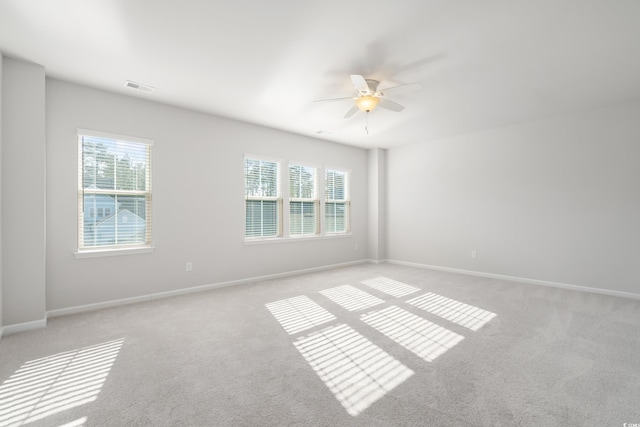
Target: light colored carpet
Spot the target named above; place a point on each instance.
(370, 345)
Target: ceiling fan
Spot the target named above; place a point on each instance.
(368, 96)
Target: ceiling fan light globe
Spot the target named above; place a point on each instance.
(367, 103)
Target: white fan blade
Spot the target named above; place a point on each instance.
(351, 111)
(333, 99)
(402, 89)
(360, 83)
(390, 105)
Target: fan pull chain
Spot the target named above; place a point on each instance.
(366, 122)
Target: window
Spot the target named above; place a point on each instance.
(263, 198)
(286, 200)
(336, 205)
(303, 201)
(114, 175)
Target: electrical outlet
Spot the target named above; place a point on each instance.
(189, 266)
(474, 254)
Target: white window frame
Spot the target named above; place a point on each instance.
(315, 199)
(282, 223)
(87, 251)
(346, 200)
(285, 208)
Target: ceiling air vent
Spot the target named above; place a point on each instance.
(138, 86)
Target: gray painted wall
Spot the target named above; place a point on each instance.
(198, 205)
(377, 220)
(23, 192)
(555, 200)
(1, 274)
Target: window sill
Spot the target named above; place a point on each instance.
(112, 252)
(250, 242)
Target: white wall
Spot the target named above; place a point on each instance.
(23, 192)
(377, 219)
(1, 84)
(555, 200)
(198, 205)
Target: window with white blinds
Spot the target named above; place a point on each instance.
(336, 206)
(303, 201)
(263, 198)
(286, 200)
(114, 191)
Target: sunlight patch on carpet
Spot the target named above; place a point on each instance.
(425, 339)
(390, 286)
(77, 423)
(351, 298)
(53, 384)
(356, 371)
(299, 313)
(454, 311)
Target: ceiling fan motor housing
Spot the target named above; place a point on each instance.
(373, 85)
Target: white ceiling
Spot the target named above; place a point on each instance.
(482, 64)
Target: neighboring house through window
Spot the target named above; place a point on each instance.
(114, 191)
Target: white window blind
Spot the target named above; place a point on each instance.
(303, 201)
(114, 191)
(337, 205)
(263, 198)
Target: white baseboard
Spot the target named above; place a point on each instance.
(167, 294)
(22, 327)
(251, 280)
(97, 306)
(519, 279)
